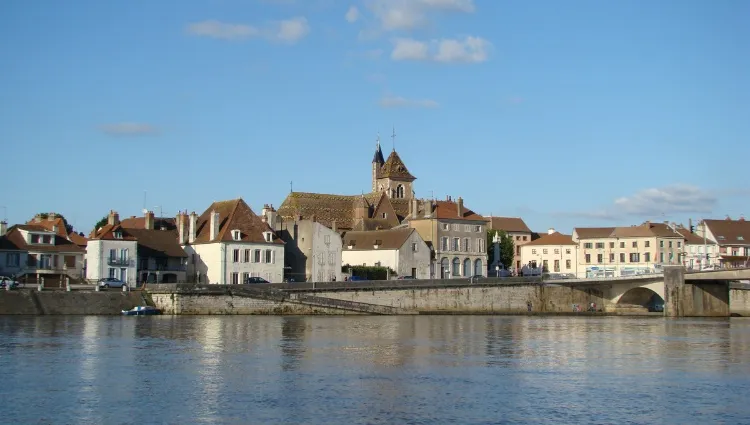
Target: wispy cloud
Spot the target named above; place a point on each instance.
(129, 129)
(394, 15)
(448, 50)
(352, 14)
(654, 202)
(390, 101)
(287, 31)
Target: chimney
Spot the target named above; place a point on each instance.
(192, 227)
(113, 219)
(414, 208)
(460, 207)
(742, 218)
(690, 225)
(149, 220)
(214, 226)
(551, 230)
(51, 216)
(181, 222)
(334, 226)
(38, 219)
(3, 228)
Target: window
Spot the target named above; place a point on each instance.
(467, 228)
(544, 251)
(661, 244)
(327, 239)
(545, 265)
(635, 244)
(385, 215)
(567, 264)
(533, 251)
(112, 254)
(269, 256)
(671, 257)
(34, 238)
(635, 257)
(588, 245)
(467, 244)
(480, 245)
(456, 244)
(256, 256)
(112, 273)
(670, 244)
(236, 235)
(446, 226)
(600, 245)
(455, 227)
(236, 256)
(567, 251)
(611, 245)
(611, 258)
(647, 257)
(524, 238)
(599, 258)
(518, 238)
(477, 229)
(414, 247)
(46, 239)
(118, 235)
(245, 277)
(557, 265)
(647, 244)
(399, 192)
(661, 256)
(456, 267)
(679, 244)
(557, 251)
(247, 258)
(518, 250)
(622, 257)
(467, 268)
(13, 259)
(235, 278)
(444, 243)
(622, 244)
(588, 258)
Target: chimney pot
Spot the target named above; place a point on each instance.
(214, 225)
(148, 222)
(3, 227)
(192, 227)
(460, 207)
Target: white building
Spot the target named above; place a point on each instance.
(732, 241)
(229, 243)
(553, 252)
(403, 250)
(697, 252)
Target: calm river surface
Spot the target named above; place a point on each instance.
(373, 370)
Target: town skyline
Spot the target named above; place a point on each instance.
(564, 115)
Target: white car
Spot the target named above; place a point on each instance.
(5, 280)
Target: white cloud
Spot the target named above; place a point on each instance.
(390, 101)
(129, 129)
(287, 31)
(222, 30)
(352, 14)
(667, 200)
(447, 50)
(409, 14)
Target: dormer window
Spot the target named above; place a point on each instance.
(118, 235)
(268, 236)
(721, 238)
(236, 235)
(351, 244)
(740, 238)
(47, 239)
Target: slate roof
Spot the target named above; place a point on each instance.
(233, 214)
(555, 238)
(385, 239)
(508, 224)
(730, 232)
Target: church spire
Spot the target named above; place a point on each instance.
(378, 157)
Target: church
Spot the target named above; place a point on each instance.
(383, 208)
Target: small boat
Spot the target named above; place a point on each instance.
(141, 311)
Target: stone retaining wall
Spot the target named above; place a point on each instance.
(26, 301)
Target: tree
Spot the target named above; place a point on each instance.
(101, 222)
(507, 248)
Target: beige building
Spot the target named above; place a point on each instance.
(732, 238)
(553, 252)
(695, 248)
(517, 229)
(312, 251)
(402, 250)
(623, 251)
(458, 237)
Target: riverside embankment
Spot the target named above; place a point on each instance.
(33, 302)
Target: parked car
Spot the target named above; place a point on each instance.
(111, 282)
(253, 280)
(4, 280)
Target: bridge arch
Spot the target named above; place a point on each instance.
(643, 297)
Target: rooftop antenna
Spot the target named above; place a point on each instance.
(291, 187)
(160, 211)
(393, 138)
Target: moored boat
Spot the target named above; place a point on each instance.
(141, 311)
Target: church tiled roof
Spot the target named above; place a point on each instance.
(394, 168)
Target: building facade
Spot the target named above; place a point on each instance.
(312, 251)
(625, 251)
(457, 235)
(13, 258)
(553, 253)
(51, 258)
(518, 231)
(698, 253)
(402, 250)
(732, 238)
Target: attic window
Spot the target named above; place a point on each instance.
(118, 235)
(378, 242)
(268, 236)
(721, 238)
(740, 238)
(385, 215)
(236, 235)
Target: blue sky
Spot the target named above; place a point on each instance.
(567, 113)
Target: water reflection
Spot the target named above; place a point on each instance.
(352, 370)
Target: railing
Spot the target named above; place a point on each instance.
(164, 268)
(126, 262)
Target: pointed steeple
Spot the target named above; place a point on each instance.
(395, 169)
(378, 157)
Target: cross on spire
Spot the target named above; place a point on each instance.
(377, 139)
(393, 138)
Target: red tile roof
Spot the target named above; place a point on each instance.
(61, 244)
(730, 232)
(234, 214)
(508, 224)
(555, 238)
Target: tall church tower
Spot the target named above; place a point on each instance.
(377, 165)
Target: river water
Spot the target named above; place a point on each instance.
(373, 370)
